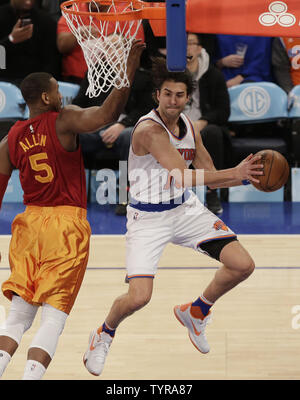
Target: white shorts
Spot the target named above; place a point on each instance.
(189, 224)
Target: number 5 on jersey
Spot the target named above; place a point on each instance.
(36, 165)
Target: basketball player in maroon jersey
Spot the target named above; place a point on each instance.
(49, 246)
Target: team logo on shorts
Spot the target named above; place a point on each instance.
(220, 225)
(135, 216)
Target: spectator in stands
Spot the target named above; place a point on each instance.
(52, 7)
(244, 58)
(29, 38)
(286, 62)
(156, 45)
(210, 106)
(73, 63)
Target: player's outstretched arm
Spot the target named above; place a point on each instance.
(252, 176)
(248, 169)
(152, 138)
(73, 119)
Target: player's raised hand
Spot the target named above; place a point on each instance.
(248, 168)
(133, 61)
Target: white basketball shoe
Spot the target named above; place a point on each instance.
(94, 357)
(195, 326)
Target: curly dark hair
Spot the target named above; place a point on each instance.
(160, 74)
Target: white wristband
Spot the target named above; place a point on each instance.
(10, 38)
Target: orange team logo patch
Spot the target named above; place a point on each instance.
(220, 225)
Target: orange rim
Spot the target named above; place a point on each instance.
(156, 11)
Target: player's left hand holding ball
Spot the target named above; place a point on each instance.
(247, 169)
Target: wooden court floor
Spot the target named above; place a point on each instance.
(255, 332)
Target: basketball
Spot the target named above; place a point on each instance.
(276, 171)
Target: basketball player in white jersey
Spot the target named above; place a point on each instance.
(162, 210)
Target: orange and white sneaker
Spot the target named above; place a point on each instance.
(195, 326)
(94, 357)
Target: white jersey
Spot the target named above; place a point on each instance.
(147, 177)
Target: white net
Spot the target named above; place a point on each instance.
(105, 44)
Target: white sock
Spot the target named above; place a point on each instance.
(4, 360)
(205, 300)
(34, 371)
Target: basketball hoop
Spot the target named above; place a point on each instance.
(105, 33)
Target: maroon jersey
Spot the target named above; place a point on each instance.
(49, 174)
